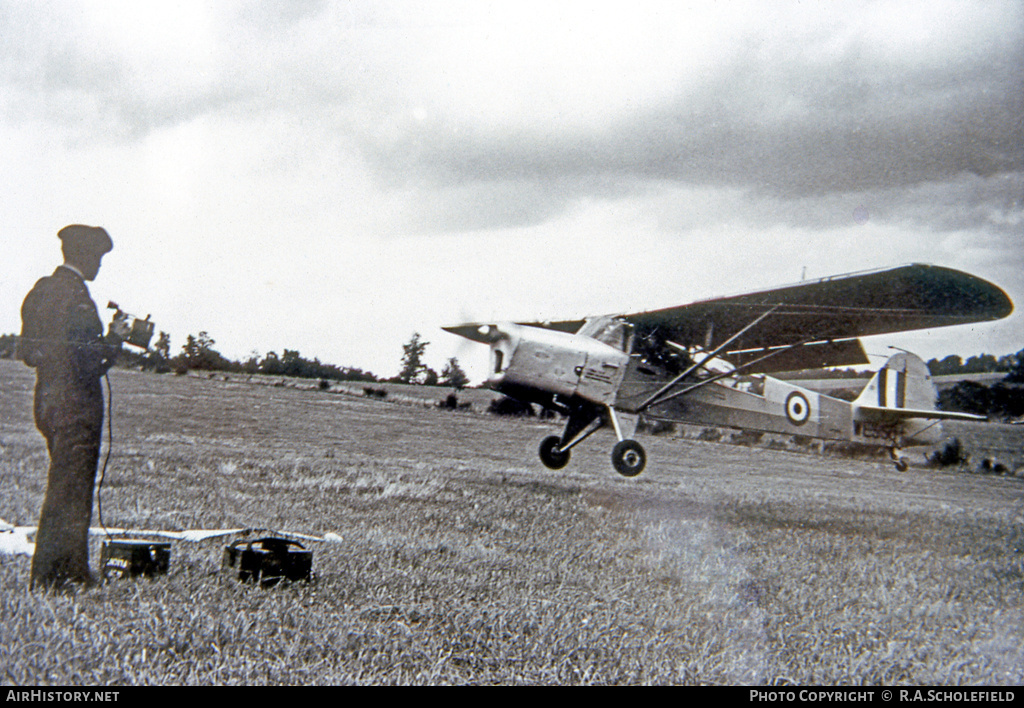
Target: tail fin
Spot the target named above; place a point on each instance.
(904, 382)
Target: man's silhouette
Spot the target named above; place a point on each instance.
(62, 338)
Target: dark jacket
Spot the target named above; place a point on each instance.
(62, 338)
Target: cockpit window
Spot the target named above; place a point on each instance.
(614, 333)
(751, 384)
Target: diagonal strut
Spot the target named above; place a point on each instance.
(653, 398)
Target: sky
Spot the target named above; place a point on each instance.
(331, 177)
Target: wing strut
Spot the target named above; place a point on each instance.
(723, 375)
(653, 398)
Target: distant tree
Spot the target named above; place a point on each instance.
(198, 353)
(1016, 369)
(8, 345)
(1007, 401)
(948, 366)
(292, 363)
(252, 364)
(159, 355)
(350, 373)
(195, 345)
(453, 375)
(967, 397)
(412, 360)
(163, 345)
(982, 364)
(1001, 400)
(271, 364)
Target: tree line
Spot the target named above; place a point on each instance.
(198, 354)
(414, 371)
(981, 364)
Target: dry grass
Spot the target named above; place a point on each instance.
(462, 560)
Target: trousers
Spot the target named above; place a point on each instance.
(73, 427)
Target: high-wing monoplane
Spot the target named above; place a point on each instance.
(708, 362)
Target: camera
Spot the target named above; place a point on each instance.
(130, 328)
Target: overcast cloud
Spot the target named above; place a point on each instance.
(331, 176)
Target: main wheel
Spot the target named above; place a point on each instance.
(902, 465)
(629, 458)
(549, 455)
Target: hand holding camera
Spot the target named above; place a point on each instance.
(120, 328)
(128, 328)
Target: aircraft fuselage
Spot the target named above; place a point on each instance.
(564, 371)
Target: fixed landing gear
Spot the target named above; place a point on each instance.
(898, 459)
(628, 456)
(551, 456)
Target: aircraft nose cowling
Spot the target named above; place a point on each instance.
(504, 339)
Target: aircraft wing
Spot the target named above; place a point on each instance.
(196, 534)
(831, 313)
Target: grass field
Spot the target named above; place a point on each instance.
(458, 558)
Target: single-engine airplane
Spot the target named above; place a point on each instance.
(707, 362)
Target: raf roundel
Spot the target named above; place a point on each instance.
(798, 410)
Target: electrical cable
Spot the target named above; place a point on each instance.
(106, 459)
(110, 426)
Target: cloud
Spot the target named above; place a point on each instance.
(793, 101)
(732, 132)
(570, 157)
(830, 110)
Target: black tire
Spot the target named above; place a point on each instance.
(629, 458)
(550, 458)
(902, 465)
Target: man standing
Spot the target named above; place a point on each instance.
(62, 338)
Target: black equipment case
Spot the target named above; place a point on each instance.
(267, 560)
(129, 557)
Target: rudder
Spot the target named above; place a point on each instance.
(904, 382)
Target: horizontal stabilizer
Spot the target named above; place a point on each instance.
(877, 414)
(901, 390)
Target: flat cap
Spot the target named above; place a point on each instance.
(92, 238)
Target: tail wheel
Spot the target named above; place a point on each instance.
(899, 460)
(629, 458)
(550, 455)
